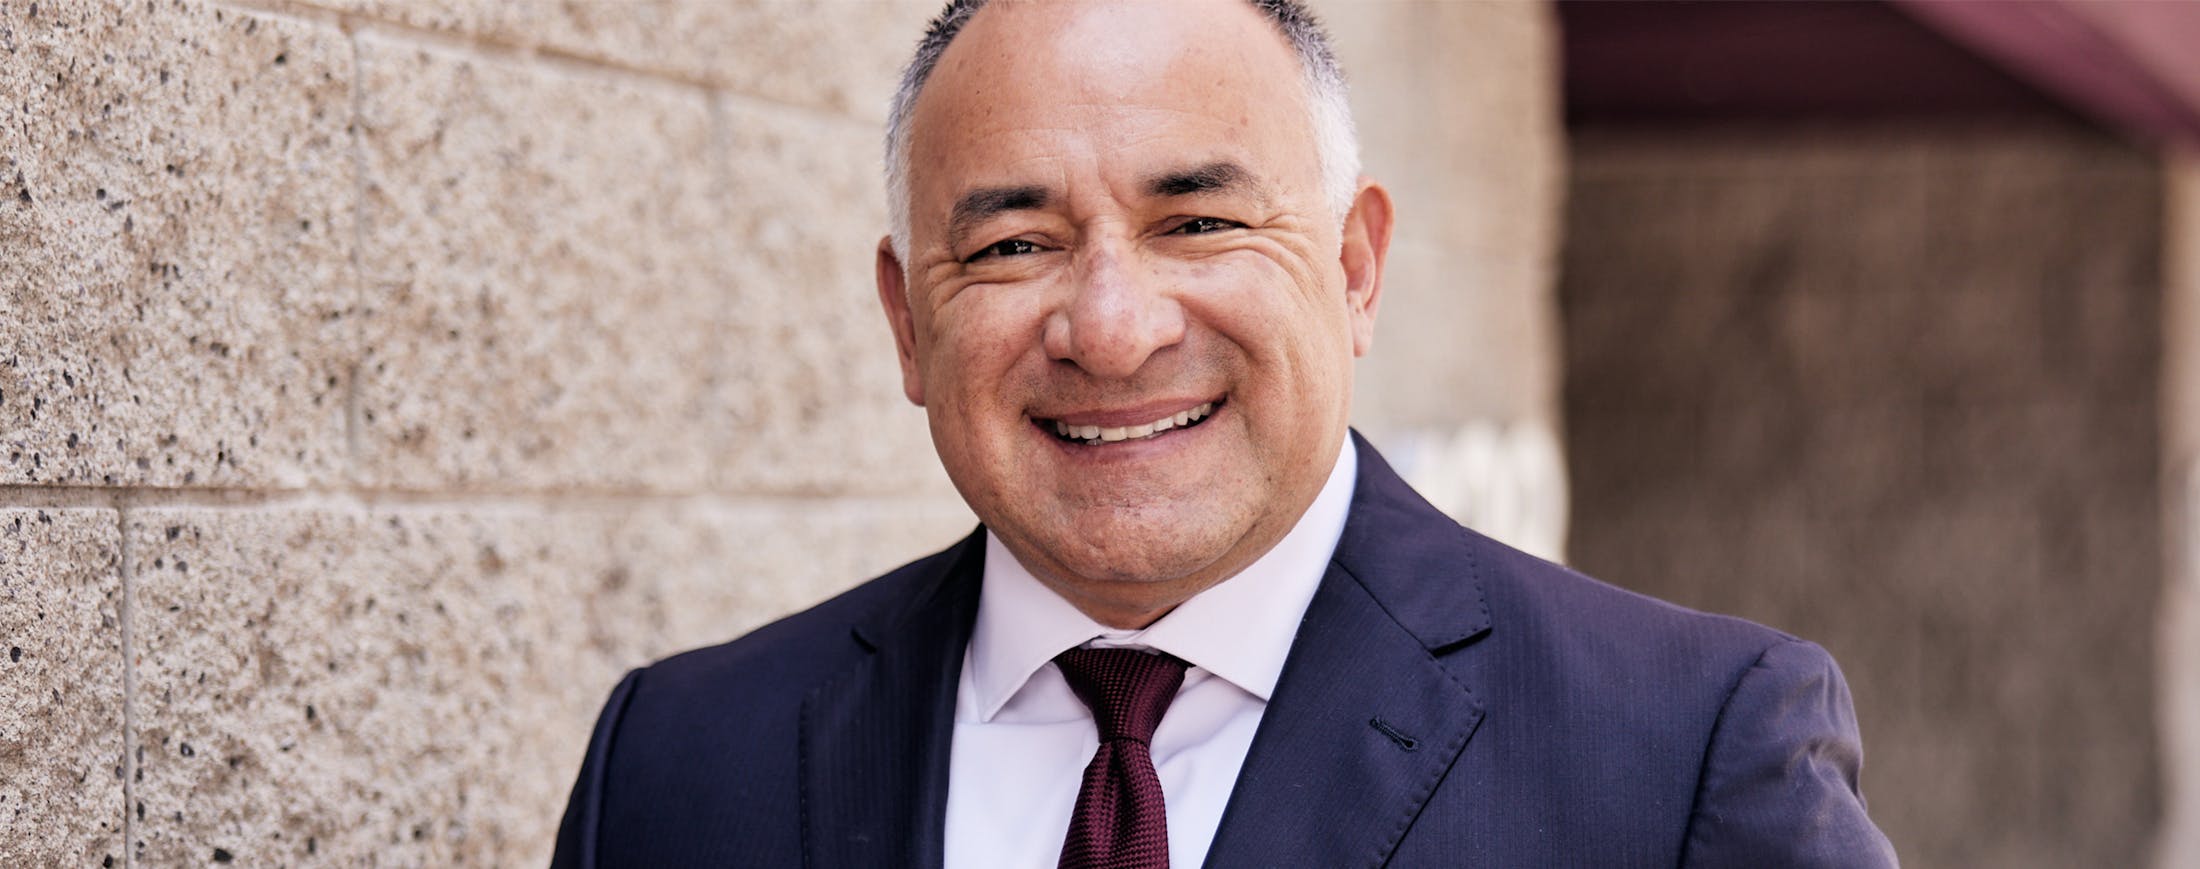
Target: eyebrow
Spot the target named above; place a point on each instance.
(1219, 176)
(984, 203)
(979, 205)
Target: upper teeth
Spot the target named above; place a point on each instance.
(1104, 434)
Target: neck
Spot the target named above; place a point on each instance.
(1130, 609)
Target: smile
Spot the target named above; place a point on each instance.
(1093, 435)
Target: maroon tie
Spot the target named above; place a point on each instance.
(1119, 822)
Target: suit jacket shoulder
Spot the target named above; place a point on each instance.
(1580, 634)
(694, 759)
(812, 644)
(1615, 729)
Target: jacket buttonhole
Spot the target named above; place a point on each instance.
(1406, 742)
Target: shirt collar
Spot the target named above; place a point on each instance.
(1240, 630)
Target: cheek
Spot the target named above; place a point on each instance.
(978, 341)
(1231, 285)
(1269, 310)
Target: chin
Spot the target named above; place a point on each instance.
(1142, 549)
(1137, 571)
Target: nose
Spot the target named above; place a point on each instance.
(1118, 315)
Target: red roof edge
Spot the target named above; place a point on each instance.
(2082, 53)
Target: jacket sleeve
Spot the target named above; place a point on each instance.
(1779, 778)
(577, 833)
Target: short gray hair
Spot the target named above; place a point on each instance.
(1330, 114)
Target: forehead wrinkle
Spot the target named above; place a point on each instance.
(1196, 149)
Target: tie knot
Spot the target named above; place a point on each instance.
(1126, 689)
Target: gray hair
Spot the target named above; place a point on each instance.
(1330, 114)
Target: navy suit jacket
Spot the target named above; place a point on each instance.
(1449, 701)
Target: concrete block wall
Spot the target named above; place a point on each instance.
(381, 378)
(377, 382)
(1897, 392)
(61, 727)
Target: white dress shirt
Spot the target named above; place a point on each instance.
(1022, 738)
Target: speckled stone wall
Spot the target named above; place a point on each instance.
(1897, 392)
(380, 379)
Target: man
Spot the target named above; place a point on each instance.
(1131, 265)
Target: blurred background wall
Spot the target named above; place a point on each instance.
(1864, 337)
(2178, 640)
(1896, 392)
(381, 378)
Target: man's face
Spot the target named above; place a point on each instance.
(1128, 311)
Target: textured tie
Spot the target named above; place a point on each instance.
(1119, 822)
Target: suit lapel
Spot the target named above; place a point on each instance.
(875, 740)
(1365, 721)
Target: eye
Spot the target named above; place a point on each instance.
(1205, 225)
(1010, 247)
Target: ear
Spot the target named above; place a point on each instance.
(1366, 246)
(893, 296)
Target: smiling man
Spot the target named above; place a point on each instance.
(1131, 264)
